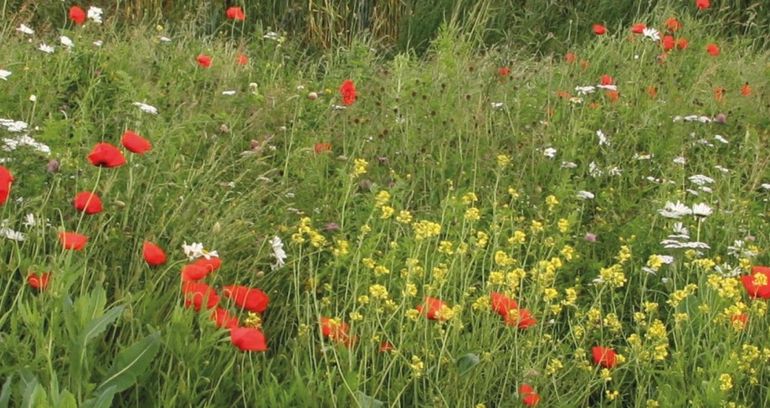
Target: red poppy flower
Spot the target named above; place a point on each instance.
(248, 339)
(224, 319)
(432, 308)
(501, 304)
(6, 179)
(740, 320)
(192, 272)
(668, 43)
(88, 202)
(652, 91)
(241, 59)
(713, 49)
(336, 330)
(348, 92)
(235, 13)
(613, 95)
(607, 80)
(525, 389)
(503, 71)
(702, 4)
(73, 240)
(38, 281)
(197, 295)
(745, 91)
(673, 24)
(719, 93)
(570, 57)
(203, 60)
(135, 143)
(211, 264)
(521, 318)
(251, 299)
(604, 356)
(638, 28)
(758, 283)
(106, 155)
(319, 148)
(77, 15)
(599, 29)
(531, 399)
(153, 254)
(682, 43)
(386, 347)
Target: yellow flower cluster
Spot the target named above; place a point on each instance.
(306, 231)
(426, 229)
(360, 167)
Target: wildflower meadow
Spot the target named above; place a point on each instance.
(231, 218)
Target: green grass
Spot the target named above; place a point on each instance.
(234, 171)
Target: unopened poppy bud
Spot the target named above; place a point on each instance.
(53, 166)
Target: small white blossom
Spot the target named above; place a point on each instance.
(278, 253)
(4, 74)
(568, 165)
(146, 108)
(603, 140)
(24, 29)
(164, 39)
(13, 125)
(701, 180)
(549, 152)
(765, 186)
(585, 195)
(66, 41)
(228, 93)
(594, 170)
(98, 43)
(721, 139)
(497, 105)
(585, 90)
(608, 87)
(196, 250)
(722, 169)
(680, 160)
(11, 234)
(29, 220)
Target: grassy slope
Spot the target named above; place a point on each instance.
(428, 131)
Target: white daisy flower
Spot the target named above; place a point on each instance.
(549, 152)
(651, 33)
(11, 234)
(46, 48)
(95, 14)
(675, 210)
(66, 41)
(701, 210)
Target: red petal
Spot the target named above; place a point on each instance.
(251, 299)
(153, 254)
(248, 339)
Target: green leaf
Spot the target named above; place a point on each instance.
(98, 325)
(365, 401)
(131, 363)
(5, 393)
(103, 400)
(67, 400)
(466, 362)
